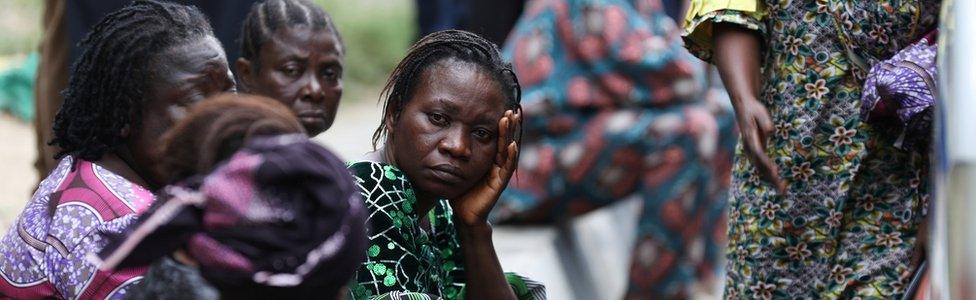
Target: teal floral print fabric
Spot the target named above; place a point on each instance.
(847, 227)
(615, 108)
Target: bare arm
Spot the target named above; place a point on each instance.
(485, 279)
(737, 56)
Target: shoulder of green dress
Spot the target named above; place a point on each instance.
(374, 171)
(364, 165)
(524, 288)
(399, 295)
(377, 179)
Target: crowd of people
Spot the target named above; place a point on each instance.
(179, 179)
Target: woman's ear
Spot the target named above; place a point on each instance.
(245, 73)
(387, 148)
(388, 122)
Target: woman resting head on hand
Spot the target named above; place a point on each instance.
(256, 211)
(449, 145)
(292, 52)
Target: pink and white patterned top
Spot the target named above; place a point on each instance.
(43, 254)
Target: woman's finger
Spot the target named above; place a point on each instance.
(764, 127)
(506, 170)
(764, 166)
(765, 123)
(770, 173)
(516, 125)
(503, 132)
(512, 162)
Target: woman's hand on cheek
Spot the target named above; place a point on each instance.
(473, 207)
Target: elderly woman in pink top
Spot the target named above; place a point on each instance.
(141, 68)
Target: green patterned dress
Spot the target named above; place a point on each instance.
(848, 224)
(405, 254)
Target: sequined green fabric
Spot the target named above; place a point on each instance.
(409, 252)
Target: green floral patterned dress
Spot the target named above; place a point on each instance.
(405, 254)
(847, 226)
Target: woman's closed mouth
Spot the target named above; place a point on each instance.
(447, 173)
(313, 116)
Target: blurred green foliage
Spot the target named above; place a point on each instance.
(20, 26)
(377, 34)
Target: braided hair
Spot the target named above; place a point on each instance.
(268, 16)
(448, 44)
(214, 129)
(108, 84)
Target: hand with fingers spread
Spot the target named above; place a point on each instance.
(473, 207)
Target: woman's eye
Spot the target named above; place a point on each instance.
(331, 74)
(291, 71)
(482, 134)
(437, 119)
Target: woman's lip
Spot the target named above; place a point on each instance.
(312, 114)
(449, 169)
(447, 173)
(314, 119)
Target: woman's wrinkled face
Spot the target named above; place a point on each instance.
(181, 76)
(302, 68)
(445, 138)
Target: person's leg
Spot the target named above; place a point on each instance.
(52, 77)
(681, 229)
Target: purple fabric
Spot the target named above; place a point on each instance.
(43, 253)
(281, 212)
(903, 87)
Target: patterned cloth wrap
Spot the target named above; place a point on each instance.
(616, 109)
(43, 252)
(406, 260)
(848, 225)
(281, 212)
(523, 287)
(904, 86)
